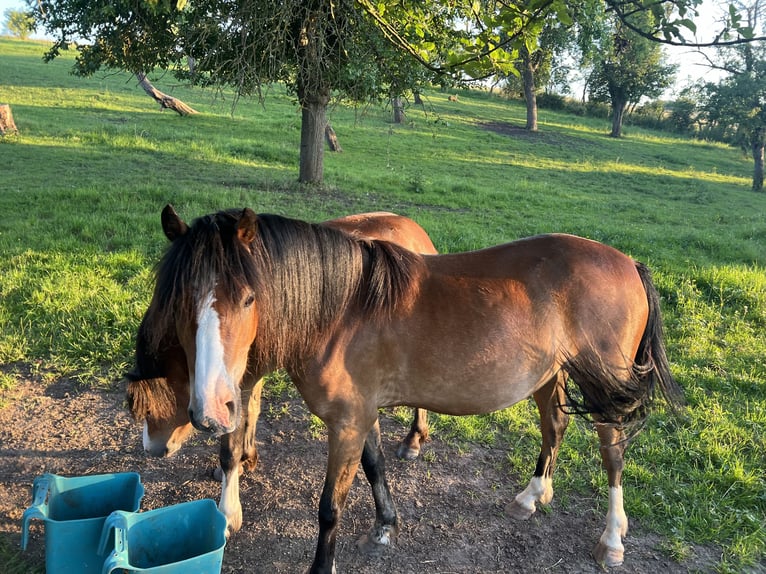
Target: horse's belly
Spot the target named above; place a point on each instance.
(478, 390)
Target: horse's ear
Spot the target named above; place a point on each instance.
(173, 226)
(246, 226)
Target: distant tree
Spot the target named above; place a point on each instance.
(737, 103)
(628, 68)
(18, 23)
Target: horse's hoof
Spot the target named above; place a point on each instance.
(369, 547)
(233, 521)
(407, 452)
(248, 464)
(519, 512)
(608, 557)
(218, 474)
(379, 538)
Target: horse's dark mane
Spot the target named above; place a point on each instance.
(305, 276)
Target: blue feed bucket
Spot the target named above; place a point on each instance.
(179, 539)
(74, 511)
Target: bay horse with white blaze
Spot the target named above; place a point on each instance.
(158, 383)
(363, 324)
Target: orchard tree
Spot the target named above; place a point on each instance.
(318, 48)
(629, 67)
(18, 23)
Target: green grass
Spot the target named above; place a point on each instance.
(95, 161)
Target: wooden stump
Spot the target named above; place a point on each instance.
(7, 125)
(332, 139)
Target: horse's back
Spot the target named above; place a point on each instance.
(386, 226)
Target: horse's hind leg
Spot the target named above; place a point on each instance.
(409, 448)
(239, 453)
(553, 424)
(386, 519)
(609, 551)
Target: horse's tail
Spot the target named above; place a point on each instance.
(651, 360)
(614, 400)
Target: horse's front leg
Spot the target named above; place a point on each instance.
(609, 551)
(345, 449)
(386, 520)
(239, 453)
(553, 425)
(409, 448)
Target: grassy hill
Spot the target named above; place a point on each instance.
(95, 161)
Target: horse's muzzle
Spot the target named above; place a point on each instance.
(214, 427)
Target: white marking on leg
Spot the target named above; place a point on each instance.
(616, 521)
(539, 489)
(230, 505)
(147, 441)
(383, 534)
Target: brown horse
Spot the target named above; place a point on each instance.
(363, 324)
(158, 385)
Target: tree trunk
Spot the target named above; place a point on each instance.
(759, 140)
(618, 111)
(417, 99)
(313, 122)
(398, 104)
(165, 101)
(530, 96)
(7, 125)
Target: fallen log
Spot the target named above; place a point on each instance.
(165, 101)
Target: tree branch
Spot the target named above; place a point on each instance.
(617, 7)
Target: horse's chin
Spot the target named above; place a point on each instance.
(161, 448)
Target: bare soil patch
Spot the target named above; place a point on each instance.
(450, 504)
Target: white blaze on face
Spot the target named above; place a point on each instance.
(209, 367)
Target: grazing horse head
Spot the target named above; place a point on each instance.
(158, 393)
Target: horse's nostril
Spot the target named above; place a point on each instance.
(232, 409)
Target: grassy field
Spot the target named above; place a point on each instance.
(84, 182)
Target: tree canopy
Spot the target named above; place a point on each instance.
(19, 23)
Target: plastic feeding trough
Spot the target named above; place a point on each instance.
(74, 511)
(179, 539)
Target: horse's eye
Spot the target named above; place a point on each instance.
(249, 300)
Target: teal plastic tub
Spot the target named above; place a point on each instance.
(74, 511)
(181, 539)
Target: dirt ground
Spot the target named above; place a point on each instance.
(450, 504)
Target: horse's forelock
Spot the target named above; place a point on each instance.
(151, 399)
(190, 268)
